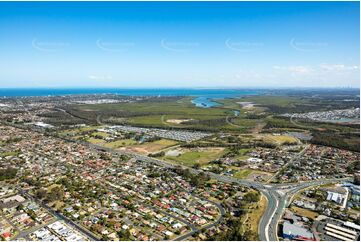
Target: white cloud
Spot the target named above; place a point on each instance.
(337, 67)
(100, 78)
(299, 69)
(294, 69)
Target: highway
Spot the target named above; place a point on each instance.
(278, 197)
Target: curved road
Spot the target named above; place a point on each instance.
(221, 210)
(278, 195)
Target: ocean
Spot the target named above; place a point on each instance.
(209, 93)
(203, 98)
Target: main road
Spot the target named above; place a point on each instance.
(278, 195)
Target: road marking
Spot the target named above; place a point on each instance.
(269, 221)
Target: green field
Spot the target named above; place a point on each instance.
(282, 101)
(153, 147)
(156, 114)
(100, 134)
(242, 174)
(279, 139)
(192, 157)
(120, 143)
(263, 118)
(95, 141)
(243, 154)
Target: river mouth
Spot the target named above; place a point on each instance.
(205, 102)
(208, 99)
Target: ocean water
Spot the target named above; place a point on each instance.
(203, 98)
(208, 93)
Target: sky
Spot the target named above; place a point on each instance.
(179, 44)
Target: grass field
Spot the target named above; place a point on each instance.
(156, 113)
(52, 186)
(243, 174)
(243, 154)
(120, 143)
(95, 141)
(153, 147)
(191, 157)
(151, 120)
(279, 139)
(80, 130)
(87, 128)
(251, 219)
(157, 108)
(251, 174)
(101, 134)
(304, 212)
(282, 101)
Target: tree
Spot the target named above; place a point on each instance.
(8, 173)
(41, 193)
(124, 235)
(356, 179)
(251, 197)
(20, 207)
(56, 193)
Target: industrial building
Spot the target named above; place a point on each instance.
(295, 232)
(345, 232)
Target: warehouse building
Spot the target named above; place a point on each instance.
(345, 232)
(295, 232)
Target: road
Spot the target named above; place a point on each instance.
(193, 228)
(219, 219)
(232, 124)
(297, 124)
(289, 163)
(60, 216)
(278, 195)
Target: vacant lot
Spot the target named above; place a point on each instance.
(279, 139)
(243, 174)
(304, 212)
(100, 134)
(152, 147)
(120, 143)
(201, 156)
(250, 174)
(251, 220)
(78, 131)
(95, 141)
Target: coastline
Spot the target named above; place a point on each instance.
(210, 93)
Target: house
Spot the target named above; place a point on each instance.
(6, 235)
(177, 226)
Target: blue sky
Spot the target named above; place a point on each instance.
(179, 44)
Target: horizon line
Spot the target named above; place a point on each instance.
(186, 87)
